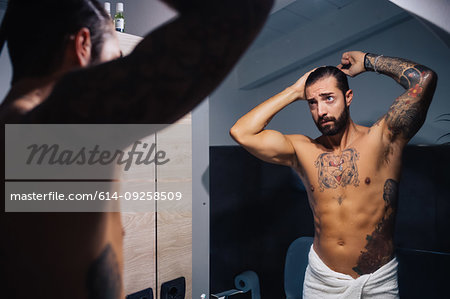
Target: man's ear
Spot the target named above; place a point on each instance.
(349, 97)
(83, 46)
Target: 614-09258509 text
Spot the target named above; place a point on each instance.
(98, 195)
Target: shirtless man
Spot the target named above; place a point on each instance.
(351, 172)
(66, 69)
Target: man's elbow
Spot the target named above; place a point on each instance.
(265, 6)
(430, 78)
(248, 16)
(235, 133)
(240, 135)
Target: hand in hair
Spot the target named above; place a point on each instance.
(299, 86)
(352, 63)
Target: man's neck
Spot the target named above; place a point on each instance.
(343, 139)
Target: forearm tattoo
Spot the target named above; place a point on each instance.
(379, 248)
(407, 114)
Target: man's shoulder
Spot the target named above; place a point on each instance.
(303, 142)
(300, 138)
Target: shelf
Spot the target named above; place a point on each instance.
(127, 42)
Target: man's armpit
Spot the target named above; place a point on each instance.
(381, 138)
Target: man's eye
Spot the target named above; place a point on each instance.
(311, 102)
(330, 98)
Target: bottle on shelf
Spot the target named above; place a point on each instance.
(108, 8)
(119, 20)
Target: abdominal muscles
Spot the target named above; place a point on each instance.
(357, 242)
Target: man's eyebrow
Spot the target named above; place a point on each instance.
(323, 94)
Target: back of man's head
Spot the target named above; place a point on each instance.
(37, 32)
(328, 71)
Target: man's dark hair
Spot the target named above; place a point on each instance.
(37, 32)
(327, 71)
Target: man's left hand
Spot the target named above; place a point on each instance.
(352, 63)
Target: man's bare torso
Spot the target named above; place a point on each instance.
(51, 241)
(353, 196)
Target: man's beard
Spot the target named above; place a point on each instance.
(337, 126)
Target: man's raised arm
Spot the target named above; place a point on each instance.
(172, 70)
(269, 145)
(408, 112)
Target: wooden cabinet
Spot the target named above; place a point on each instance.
(158, 241)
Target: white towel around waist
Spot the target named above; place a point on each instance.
(322, 283)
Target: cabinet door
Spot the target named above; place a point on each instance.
(138, 222)
(139, 241)
(174, 217)
(158, 242)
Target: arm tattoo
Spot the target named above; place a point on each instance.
(380, 247)
(104, 279)
(169, 73)
(337, 170)
(407, 114)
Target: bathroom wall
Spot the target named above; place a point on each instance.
(436, 11)
(141, 17)
(373, 93)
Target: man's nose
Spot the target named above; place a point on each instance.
(321, 110)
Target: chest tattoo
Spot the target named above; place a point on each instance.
(337, 170)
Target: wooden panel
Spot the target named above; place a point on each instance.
(139, 251)
(127, 42)
(139, 242)
(174, 218)
(161, 249)
(138, 221)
